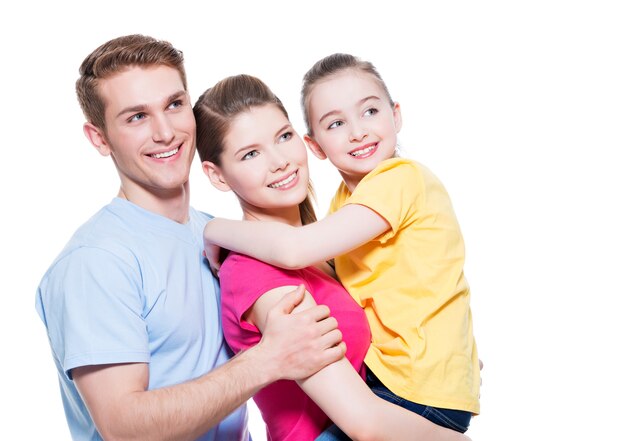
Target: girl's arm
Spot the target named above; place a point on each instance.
(341, 393)
(290, 247)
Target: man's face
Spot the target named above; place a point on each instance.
(150, 131)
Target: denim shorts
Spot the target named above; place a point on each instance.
(458, 420)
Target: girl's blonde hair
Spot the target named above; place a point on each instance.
(331, 65)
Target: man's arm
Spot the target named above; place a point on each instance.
(122, 408)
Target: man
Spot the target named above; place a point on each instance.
(130, 305)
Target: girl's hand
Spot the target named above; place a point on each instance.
(212, 253)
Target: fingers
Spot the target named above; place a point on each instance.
(316, 313)
(330, 339)
(212, 254)
(215, 272)
(291, 300)
(326, 325)
(334, 354)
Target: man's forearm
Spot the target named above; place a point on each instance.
(181, 412)
(188, 410)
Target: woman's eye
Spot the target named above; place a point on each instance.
(335, 124)
(251, 154)
(285, 137)
(370, 112)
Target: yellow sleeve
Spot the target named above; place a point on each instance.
(394, 190)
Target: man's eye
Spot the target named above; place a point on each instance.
(176, 104)
(137, 117)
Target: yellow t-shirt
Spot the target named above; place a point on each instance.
(410, 282)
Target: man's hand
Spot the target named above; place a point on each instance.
(298, 344)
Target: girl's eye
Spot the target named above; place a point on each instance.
(251, 154)
(335, 124)
(285, 137)
(370, 112)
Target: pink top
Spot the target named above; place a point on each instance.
(288, 412)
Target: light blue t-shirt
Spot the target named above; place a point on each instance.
(133, 286)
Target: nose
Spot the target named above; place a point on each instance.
(358, 131)
(278, 161)
(162, 129)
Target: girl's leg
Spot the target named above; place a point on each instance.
(333, 433)
(458, 420)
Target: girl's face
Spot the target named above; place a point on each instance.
(353, 123)
(264, 162)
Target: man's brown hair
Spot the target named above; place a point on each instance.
(114, 57)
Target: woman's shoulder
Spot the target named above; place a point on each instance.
(245, 268)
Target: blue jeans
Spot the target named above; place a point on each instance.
(333, 433)
(449, 418)
(458, 420)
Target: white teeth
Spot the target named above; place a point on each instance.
(165, 154)
(363, 151)
(284, 181)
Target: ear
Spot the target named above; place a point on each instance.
(397, 116)
(314, 147)
(215, 176)
(96, 136)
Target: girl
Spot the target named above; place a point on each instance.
(397, 243)
(247, 145)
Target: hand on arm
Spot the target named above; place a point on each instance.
(300, 341)
(346, 399)
(297, 247)
(122, 408)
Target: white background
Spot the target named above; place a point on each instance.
(519, 108)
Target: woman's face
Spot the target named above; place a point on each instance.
(264, 162)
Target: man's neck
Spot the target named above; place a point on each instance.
(173, 204)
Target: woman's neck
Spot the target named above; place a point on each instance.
(289, 215)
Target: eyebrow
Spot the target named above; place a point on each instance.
(282, 129)
(143, 107)
(359, 103)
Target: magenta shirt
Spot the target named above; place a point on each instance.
(287, 411)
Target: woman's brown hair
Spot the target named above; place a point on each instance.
(219, 105)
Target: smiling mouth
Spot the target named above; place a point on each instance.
(285, 181)
(165, 154)
(363, 151)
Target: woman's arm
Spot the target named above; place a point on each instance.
(347, 400)
(290, 247)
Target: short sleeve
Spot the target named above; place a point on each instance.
(393, 190)
(244, 279)
(91, 302)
